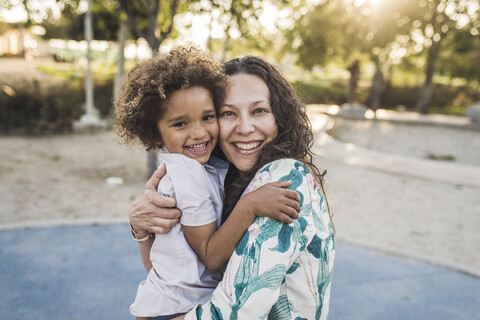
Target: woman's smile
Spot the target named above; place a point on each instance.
(247, 146)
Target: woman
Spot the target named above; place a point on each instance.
(278, 270)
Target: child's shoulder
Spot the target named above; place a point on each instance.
(176, 160)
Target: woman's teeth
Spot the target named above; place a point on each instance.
(197, 147)
(247, 146)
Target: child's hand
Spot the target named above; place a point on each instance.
(275, 201)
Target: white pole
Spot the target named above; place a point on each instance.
(89, 108)
(90, 119)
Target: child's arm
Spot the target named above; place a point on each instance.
(145, 248)
(214, 247)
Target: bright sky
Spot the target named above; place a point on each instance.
(18, 13)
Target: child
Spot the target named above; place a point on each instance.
(170, 102)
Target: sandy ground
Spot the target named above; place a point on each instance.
(397, 214)
(422, 141)
(64, 177)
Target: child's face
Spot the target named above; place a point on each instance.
(189, 125)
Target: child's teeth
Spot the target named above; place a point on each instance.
(198, 146)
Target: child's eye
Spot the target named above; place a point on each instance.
(179, 124)
(209, 117)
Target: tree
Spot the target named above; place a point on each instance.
(159, 21)
(349, 32)
(442, 21)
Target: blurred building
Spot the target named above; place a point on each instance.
(20, 42)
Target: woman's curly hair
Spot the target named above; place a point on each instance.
(295, 134)
(144, 95)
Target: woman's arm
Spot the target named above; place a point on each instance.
(214, 247)
(152, 212)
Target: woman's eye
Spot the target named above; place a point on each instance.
(227, 114)
(260, 110)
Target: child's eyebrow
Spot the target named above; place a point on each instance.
(209, 111)
(178, 118)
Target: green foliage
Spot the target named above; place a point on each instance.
(445, 98)
(70, 25)
(30, 108)
(315, 92)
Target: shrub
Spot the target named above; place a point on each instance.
(30, 108)
(445, 98)
(315, 92)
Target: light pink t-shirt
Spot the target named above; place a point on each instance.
(178, 280)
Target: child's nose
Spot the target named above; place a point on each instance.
(198, 132)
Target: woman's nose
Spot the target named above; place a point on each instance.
(245, 125)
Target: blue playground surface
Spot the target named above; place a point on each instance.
(92, 272)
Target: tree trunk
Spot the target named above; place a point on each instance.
(152, 156)
(427, 89)
(377, 88)
(354, 70)
(122, 38)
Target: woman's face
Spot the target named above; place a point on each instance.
(246, 120)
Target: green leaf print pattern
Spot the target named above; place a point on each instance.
(311, 236)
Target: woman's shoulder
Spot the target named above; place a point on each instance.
(285, 165)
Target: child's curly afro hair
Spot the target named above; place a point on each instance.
(145, 93)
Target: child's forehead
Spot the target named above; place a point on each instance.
(189, 102)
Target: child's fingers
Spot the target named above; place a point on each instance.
(292, 194)
(294, 204)
(291, 210)
(286, 192)
(284, 217)
(281, 184)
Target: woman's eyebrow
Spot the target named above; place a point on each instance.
(252, 103)
(261, 101)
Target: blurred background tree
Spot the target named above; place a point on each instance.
(421, 54)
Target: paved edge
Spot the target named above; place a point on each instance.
(35, 224)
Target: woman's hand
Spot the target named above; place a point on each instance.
(152, 212)
(275, 201)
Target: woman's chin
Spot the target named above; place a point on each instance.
(244, 165)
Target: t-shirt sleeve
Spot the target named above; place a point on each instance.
(192, 193)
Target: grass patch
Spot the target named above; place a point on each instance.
(440, 157)
(449, 110)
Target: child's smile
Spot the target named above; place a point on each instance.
(189, 125)
(198, 149)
